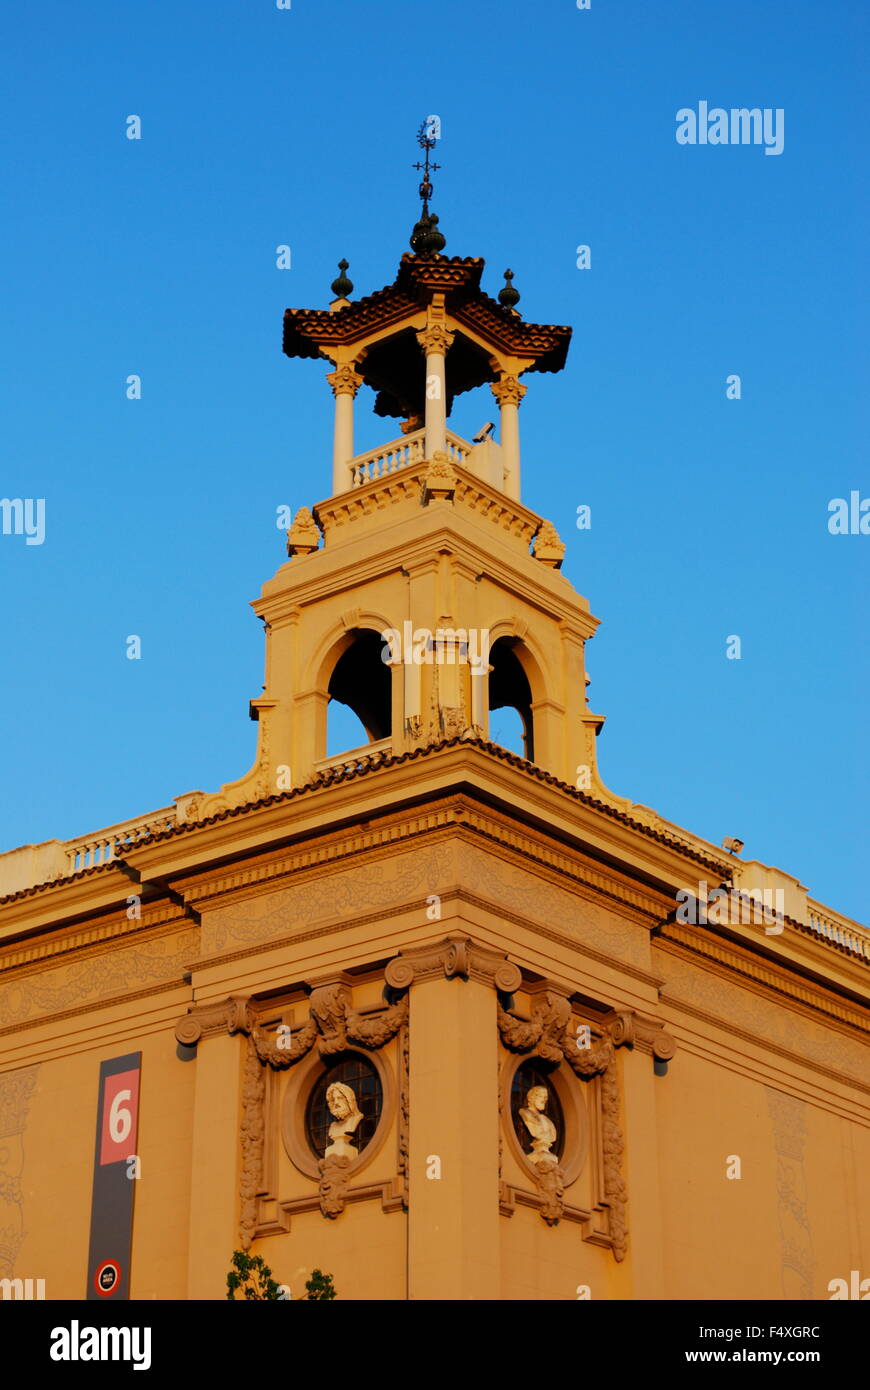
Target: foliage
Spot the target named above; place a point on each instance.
(253, 1276)
(320, 1285)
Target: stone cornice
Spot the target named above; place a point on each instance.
(564, 830)
(409, 541)
(458, 812)
(768, 978)
(386, 491)
(24, 956)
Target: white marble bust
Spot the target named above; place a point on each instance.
(539, 1125)
(341, 1102)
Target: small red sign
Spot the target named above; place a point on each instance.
(107, 1277)
(120, 1117)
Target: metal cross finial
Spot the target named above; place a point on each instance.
(427, 136)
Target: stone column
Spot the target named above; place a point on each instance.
(435, 340)
(508, 392)
(345, 383)
(453, 1233)
(213, 1229)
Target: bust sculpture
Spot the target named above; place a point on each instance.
(341, 1101)
(539, 1125)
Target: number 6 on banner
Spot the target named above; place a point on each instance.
(120, 1116)
(120, 1119)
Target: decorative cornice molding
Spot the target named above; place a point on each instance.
(24, 957)
(698, 941)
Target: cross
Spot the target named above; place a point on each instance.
(427, 143)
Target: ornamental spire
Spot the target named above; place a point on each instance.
(426, 239)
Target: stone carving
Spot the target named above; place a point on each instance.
(645, 1034)
(545, 1031)
(264, 785)
(16, 1090)
(405, 1107)
(342, 1103)
(547, 547)
(548, 1034)
(550, 1182)
(548, 1174)
(538, 1123)
(440, 477)
(454, 955)
(252, 1135)
(344, 381)
(600, 1060)
(508, 390)
(303, 536)
(111, 975)
(435, 337)
(453, 721)
(797, 1260)
(226, 1016)
(331, 1024)
(333, 1184)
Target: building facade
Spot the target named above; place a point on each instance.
(444, 1021)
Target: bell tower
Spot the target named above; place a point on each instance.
(422, 592)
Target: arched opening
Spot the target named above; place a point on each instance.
(360, 696)
(510, 700)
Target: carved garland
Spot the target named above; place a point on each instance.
(548, 1035)
(332, 1024)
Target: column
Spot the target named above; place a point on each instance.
(641, 1168)
(213, 1232)
(453, 1252)
(435, 340)
(508, 392)
(345, 383)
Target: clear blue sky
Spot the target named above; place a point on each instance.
(262, 127)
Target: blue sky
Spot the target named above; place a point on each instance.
(263, 127)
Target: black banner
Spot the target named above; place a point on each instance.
(116, 1168)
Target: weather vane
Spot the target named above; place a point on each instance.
(427, 137)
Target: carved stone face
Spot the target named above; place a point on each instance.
(537, 1098)
(338, 1103)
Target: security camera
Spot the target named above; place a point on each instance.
(733, 846)
(484, 433)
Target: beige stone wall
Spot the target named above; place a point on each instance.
(760, 1073)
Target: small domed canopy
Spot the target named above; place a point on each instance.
(377, 332)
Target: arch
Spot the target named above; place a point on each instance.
(364, 683)
(334, 644)
(509, 688)
(538, 675)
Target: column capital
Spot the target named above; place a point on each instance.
(435, 337)
(344, 381)
(508, 390)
